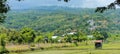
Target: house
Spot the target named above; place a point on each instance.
(71, 33)
(54, 37)
(98, 44)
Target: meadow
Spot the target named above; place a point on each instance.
(73, 52)
(108, 48)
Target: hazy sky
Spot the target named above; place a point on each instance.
(73, 3)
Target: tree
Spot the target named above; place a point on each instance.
(81, 36)
(98, 35)
(28, 35)
(105, 34)
(15, 37)
(48, 37)
(3, 39)
(39, 39)
(68, 38)
(4, 8)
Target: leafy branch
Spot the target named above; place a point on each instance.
(110, 6)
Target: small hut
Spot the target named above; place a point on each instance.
(98, 44)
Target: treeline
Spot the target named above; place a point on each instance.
(28, 35)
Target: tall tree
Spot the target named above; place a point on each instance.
(4, 8)
(28, 34)
(3, 39)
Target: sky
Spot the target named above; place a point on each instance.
(73, 3)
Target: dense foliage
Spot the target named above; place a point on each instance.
(63, 19)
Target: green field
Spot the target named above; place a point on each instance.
(73, 52)
(109, 48)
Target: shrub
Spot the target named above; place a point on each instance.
(3, 50)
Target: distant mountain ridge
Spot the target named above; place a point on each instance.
(48, 8)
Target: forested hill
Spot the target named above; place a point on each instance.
(53, 18)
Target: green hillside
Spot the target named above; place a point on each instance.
(49, 19)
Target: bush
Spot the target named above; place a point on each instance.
(3, 50)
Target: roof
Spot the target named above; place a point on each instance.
(54, 37)
(71, 33)
(98, 41)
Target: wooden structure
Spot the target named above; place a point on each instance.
(98, 44)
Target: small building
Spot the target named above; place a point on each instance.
(54, 37)
(71, 33)
(98, 44)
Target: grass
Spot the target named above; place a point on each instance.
(108, 48)
(73, 52)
